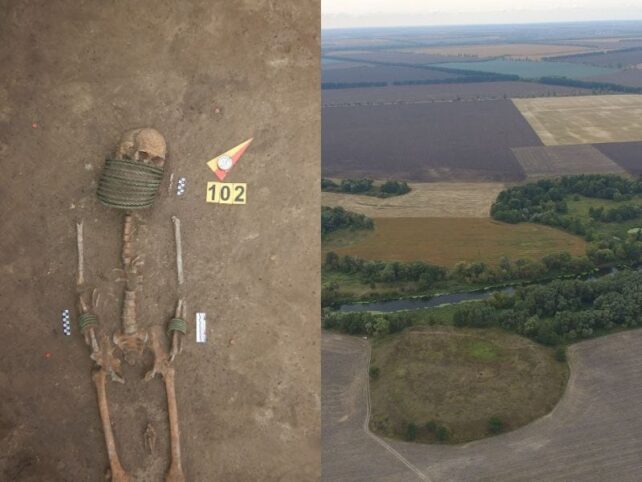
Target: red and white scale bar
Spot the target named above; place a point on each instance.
(201, 328)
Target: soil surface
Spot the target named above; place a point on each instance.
(208, 75)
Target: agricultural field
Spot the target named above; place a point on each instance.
(435, 199)
(593, 434)
(533, 70)
(447, 241)
(383, 73)
(553, 161)
(398, 57)
(628, 78)
(459, 379)
(584, 119)
(462, 141)
(331, 64)
(514, 50)
(445, 92)
(627, 154)
(611, 59)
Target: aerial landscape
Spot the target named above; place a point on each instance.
(481, 242)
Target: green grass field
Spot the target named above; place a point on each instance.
(532, 70)
(580, 208)
(459, 379)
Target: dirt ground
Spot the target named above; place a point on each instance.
(208, 75)
(553, 161)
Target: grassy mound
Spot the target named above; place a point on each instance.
(455, 385)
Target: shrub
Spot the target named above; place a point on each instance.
(442, 433)
(495, 425)
(431, 426)
(374, 372)
(411, 431)
(560, 353)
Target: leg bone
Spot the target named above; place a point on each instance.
(118, 473)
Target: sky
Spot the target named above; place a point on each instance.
(389, 13)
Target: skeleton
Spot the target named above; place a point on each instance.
(130, 181)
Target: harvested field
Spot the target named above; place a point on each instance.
(436, 199)
(627, 154)
(584, 119)
(628, 78)
(516, 50)
(445, 92)
(533, 70)
(594, 433)
(399, 57)
(447, 241)
(461, 141)
(612, 59)
(460, 378)
(383, 73)
(553, 161)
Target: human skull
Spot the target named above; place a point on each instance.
(146, 145)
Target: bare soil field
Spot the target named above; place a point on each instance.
(627, 154)
(629, 78)
(553, 161)
(594, 433)
(447, 241)
(461, 141)
(584, 120)
(445, 92)
(459, 379)
(434, 199)
(512, 50)
(383, 73)
(613, 59)
(208, 75)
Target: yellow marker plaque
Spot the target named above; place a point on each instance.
(226, 192)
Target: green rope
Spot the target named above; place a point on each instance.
(176, 324)
(126, 184)
(87, 319)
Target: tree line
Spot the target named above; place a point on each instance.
(545, 202)
(617, 214)
(562, 311)
(366, 186)
(333, 219)
(429, 276)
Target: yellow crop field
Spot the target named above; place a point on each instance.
(426, 199)
(522, 51)
(446, 241)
